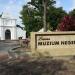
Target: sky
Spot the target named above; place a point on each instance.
(15, 6)
(67, 5)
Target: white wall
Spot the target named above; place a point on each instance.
(8, 22)
(13, 32)
(2, 33)
(0, 21)
(21, 33)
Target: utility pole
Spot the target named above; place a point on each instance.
(44, 14)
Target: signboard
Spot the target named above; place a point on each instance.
(55, 43)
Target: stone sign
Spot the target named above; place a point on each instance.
(53, 43)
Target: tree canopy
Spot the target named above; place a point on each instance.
(72, 13)
(67, 24)
(32, 15)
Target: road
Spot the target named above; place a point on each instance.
(7, 45)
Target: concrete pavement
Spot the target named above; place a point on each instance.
(7, 45)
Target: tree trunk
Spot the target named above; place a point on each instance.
(44, 15)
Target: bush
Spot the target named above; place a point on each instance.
(67, 24)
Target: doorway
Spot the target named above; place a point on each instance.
(7, 35)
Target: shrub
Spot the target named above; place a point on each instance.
(67, 24)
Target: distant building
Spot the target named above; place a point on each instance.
(9, 29)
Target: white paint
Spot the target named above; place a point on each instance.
(21, 33)
(9, 23)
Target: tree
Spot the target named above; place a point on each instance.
(67, 24)
(31, 19)
(44, 2)
(34, 19)
(72, 13)
(55, 16)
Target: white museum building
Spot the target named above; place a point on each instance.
(9, 28)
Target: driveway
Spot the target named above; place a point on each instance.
(7, 45)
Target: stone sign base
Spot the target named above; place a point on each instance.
(53, 43)
(56, 52)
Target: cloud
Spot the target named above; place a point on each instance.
(73, 5)
(12, 1)
(13, 7)
(27, 1)
(58, 3)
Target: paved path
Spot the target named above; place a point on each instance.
(7, 45)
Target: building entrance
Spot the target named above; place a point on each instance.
(7, 35)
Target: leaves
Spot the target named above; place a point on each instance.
(32, 15)
(67, 24)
